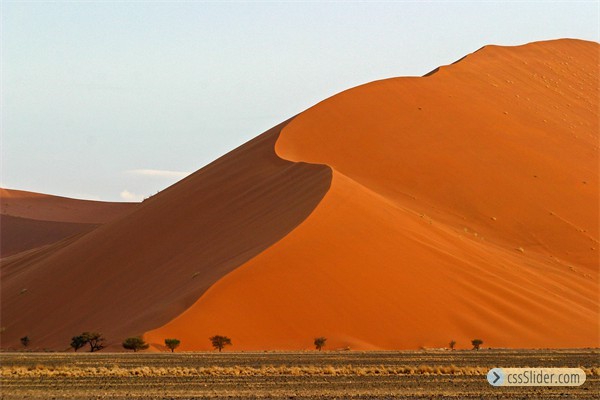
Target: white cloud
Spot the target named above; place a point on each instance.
(159, 173)
(128, 196)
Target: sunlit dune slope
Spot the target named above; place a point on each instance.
(463, 205)
(30, 220)
(134, 274)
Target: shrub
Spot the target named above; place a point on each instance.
(320, 342)
(25, 341)
(135, 344)
(476, 343)
(172, 344)
(94, 339)
(452, 344)
(218, 342)
(78, 342)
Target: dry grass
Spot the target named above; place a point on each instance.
(267, 370)
(283, 375)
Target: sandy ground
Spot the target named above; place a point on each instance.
(304, 375)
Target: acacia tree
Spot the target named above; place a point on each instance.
(320, 342)
(218, 342)
(78, 342)
(25, 341)
(452, 344)
(94, 339)
(476, 343)
(135, 344)
(172, 344)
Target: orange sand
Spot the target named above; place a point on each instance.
(463, 204)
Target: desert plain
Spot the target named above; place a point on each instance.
(286, 375)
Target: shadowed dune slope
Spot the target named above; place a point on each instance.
(30, 220)
(463, 205)
(44, 207)
(141, 271)
(21, 234)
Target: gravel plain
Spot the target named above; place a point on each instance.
(432, 374)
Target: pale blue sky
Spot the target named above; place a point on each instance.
(99, 97)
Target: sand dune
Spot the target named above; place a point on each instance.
(21, 234)
(44, 207)
(30, 220)
(398, 214)
(389, 280)
(143, 270)
(463, 204)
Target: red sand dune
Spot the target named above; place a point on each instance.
(44, 207)
(458, 205)
(139, 272)
(30, 220)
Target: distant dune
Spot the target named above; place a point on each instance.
(400, 214)
(31, 220)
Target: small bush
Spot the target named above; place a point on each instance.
(135, 344)
(25, 341)
(476, 343)
(172, 344)
(94, 339)
(219, 342)
(320, 342)
(78, 342)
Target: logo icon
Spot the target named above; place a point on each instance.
(495, 376)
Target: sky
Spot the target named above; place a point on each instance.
(117, 100)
